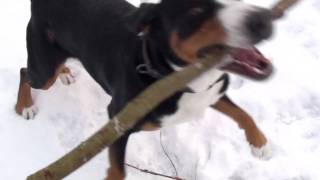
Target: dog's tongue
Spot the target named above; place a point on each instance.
(250, 63)
(250, 56)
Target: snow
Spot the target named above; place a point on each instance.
(286, 108)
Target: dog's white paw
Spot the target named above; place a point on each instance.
(264, 152)
(30, 112)
(67, 78)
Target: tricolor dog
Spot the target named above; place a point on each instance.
(125, 49)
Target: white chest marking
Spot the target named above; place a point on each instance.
(191, 106)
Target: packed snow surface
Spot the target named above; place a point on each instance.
(286, 108)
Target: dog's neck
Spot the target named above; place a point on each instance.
(156, 61)
(146, 67)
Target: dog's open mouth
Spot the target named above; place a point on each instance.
(249, 62)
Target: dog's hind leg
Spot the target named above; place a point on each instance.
(255, 137)
(117, 153)
(24, 104)
(45, 63)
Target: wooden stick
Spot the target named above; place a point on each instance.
(126, 119)
(281, 7)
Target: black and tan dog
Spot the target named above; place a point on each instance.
(125, 49)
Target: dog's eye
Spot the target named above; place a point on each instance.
(196, 11)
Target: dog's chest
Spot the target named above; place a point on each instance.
(207, 90)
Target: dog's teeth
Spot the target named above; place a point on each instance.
(258, 71)
(255, 69)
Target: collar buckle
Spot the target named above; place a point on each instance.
(146, 67)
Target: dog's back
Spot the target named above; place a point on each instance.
(99, 23)
(95, 18)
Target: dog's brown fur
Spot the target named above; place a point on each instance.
(254, 136)
(211, 32)
(24, 93)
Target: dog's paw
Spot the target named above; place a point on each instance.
(264, 152)
(30, 112)
(67, 78)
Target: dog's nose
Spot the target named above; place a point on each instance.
(259, 24)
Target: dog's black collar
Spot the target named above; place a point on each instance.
(146, 67)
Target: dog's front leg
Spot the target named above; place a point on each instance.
(255, 137)
(117, 152)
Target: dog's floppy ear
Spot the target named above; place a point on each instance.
(142, 17)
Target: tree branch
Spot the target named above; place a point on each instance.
(281, 6)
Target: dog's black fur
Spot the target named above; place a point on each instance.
(103, 35)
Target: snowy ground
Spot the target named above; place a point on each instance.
(287, 108)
